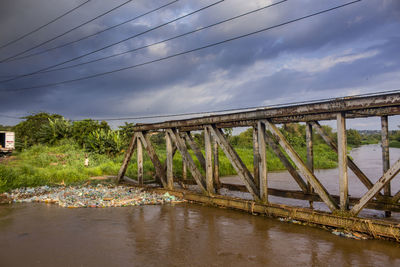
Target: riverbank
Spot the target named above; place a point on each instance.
(89, 196)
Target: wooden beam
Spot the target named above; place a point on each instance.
(216, 164)
(262, 162)
(196, 150)
(140, 162)
(310, 155)
(160, 172)
(169, 161)
(180, 143)
(378, 186)
(329, 107)
(289, 167)
(236, 162)
(385, 155)
(256, 156)
(128, 156)
(209, 163)
(361, 176)
(342, 161)
(318, 187)
(184, 170)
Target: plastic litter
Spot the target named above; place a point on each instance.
(99, 196)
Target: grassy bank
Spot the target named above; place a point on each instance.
(64, 164)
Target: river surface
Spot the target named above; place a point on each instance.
(37, 234)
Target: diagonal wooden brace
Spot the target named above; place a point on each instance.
(361, 176)
(153, 157)
(236, 162)
(293, 172)
(304, 170)
(396, 197)
(180, 143)
(128, 156)
(196, 150)
(381, 183)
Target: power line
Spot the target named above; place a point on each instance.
(187, 51)
(287, 104)
(149, 45)
(60, 35)
(10, 117)
(93, 34)
(121, 41)
(41, 27)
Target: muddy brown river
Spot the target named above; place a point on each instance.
(183, 235)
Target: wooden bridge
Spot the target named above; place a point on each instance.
(344, 211)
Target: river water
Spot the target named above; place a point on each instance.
(181, 235)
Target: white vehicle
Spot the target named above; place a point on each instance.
(7, 142)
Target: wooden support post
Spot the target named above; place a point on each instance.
(216, 164)
(342, 161)
(140, 162)
(310, 156)
(262, 162)
(378, 186)
(160, 172)
(196, 149)
(180, 143)
(209, 163)
(236, 162)
(361, 176)
(256, 156)
(184, 170)
(385, 156)
(127, 158)
(169, 161)
(292, 170)
(307, 173)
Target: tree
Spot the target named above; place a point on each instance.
(27, 132)
(82, 129)
(353, 137)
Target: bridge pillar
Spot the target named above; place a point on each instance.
(140, 161)
(385, 155)
(310, 155)
(342, 161)
(169, 161)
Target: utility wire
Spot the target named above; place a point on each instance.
(62, 34)
(41, 27)
(93, 34)
(146, 46)
(288, 104)
(116, 43)
(187, 51)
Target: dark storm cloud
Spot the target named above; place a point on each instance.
(349, 50)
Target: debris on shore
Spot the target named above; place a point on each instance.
(99, 196)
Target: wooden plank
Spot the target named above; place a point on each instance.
(256, 157)
(385, 155)
(216, 164)
(180, 143)
(361, 176)
(184, 170)
(342, 161)
(378, 186)
(262, 162)
(196, 149)
(169, 161)
(140, 162)
(160, 172)
(310, 155)
(127, 158)
(307, 173)
(209, 163)
(236, 162)
(289, 167)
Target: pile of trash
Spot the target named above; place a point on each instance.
(99, 196)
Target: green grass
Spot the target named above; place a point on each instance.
(394, 143)
(64, 163)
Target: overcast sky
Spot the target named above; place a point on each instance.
(352, 50)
